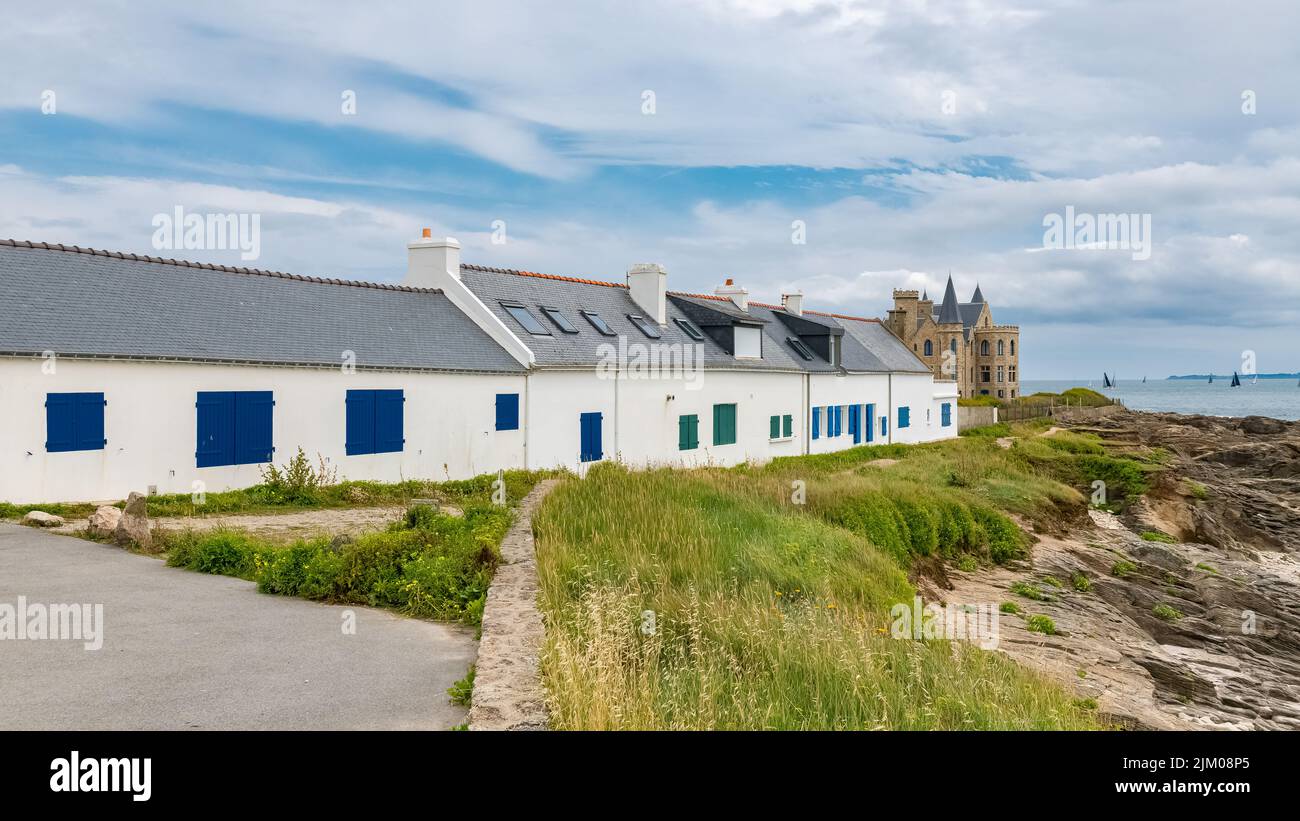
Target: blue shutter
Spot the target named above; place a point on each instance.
(855, 425)
(945, 412)
(216, 429)
(590, 442)
(817, 423)
(253, 435)
(869, 420)
(904, 417)
(89, 422)
(60, 422)
(389, 428)
(359, 430)
(507, 411)
(839, 420)
(884, 425)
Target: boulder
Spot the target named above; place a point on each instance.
(103, 522)
(39, 518)
(134, 524)
(1262, 425)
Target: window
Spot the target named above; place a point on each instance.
(952, 345)
(1002, 374)
(1002, 350)
(985, 373)
(835, 350)
(929, 348)
(690, 329)
(525, 319)
(74, 421)
(644, 325)
(1013, 347)
(561, 321)
(234, 428)
(724, 424)
(904, 417)
(598, 323)
(984, 348)
(590, 445)
(1011, 373)
(1000, 394)
(816, 423)
(507, 411)
(800, 348)
(374, 422)
(945, 414)
(688, 432)
(787, 426)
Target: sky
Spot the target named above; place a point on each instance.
(838, 148)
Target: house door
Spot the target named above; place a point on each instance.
(590, 439)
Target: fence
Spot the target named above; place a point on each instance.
(1019, 411)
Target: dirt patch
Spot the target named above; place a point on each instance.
(276, 527)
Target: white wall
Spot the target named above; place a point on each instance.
(640, 424)
(921, 393)
(150, 423)
(844, 390)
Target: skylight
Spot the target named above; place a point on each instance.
(690, 329)
(644, 325)
(800, 348)
(527, 320)
(561, 321)
(598, 323)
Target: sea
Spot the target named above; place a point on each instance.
(1278, 398)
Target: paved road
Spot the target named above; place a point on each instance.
(183, 650)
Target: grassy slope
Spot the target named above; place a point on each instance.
(772, 615)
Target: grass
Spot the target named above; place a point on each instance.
(1157, 536)
(1009, 607)
(430, 564)
(1029, 591)
(265, 498)
(1041, 624)
(462, 692)
(1080, 581)
(1166, 612)
(1122, 568)
(764, 614)
(1208, 568)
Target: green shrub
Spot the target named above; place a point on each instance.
(1207, 568)
(1009, 607)
(1080, 582)
(1041, 624)
(1086, 703)
(1029, 591)
(1166, 612)
(1197, 489)
(995, 431)
(1052, 581)
(298, 482)
(1122, 568)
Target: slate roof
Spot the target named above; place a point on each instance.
(83, 302)
(613, 302)
(948, 311)
(887, 352)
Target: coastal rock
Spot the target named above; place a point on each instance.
(1261, 425)
(39, 518)
(133, 527)
(103, 522)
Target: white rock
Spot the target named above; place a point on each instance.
(38, 518)
(103, 522)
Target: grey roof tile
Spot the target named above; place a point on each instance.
(81, 302)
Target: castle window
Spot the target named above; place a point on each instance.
(1001, 348)
(1013, 347)
(929, 348)
(984, 348)
(952, 345)
(1001, 374)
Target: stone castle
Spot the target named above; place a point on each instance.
(959, 341)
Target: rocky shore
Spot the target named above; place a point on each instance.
(1190, 616)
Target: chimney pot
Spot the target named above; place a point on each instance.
(793, 303)
(735, 293)
(428, 233)
(647, 284)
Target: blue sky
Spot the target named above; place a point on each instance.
(911, 139)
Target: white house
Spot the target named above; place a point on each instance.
(121, 372)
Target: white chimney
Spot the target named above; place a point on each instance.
(647, 283)
(429, 261)
(793, 303)
(735, 293)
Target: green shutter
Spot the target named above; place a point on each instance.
(787, 425)
(688, 432)
(775, 428)
(724, 424)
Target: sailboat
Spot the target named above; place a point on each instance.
(1211, 379)
(1144, 380)
(1236, 383)
(1105, 381)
